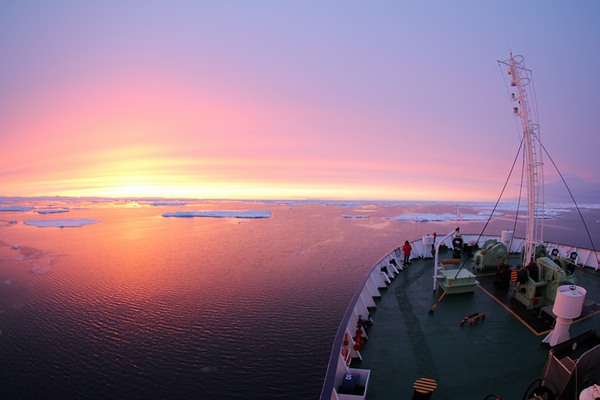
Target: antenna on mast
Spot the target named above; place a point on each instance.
(520, 78)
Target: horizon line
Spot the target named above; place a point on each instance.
(306, 200)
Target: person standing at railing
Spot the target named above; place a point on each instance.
(406, 249)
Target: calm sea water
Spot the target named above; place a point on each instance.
(142, 306)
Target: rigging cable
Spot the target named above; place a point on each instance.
(434, 306)
(520, 197)
(574, 202)
(502, 191)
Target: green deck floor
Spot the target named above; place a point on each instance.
(499, 355)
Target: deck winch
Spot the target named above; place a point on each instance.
(538, 281)
(492, 254)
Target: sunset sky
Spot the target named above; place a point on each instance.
(398, 100)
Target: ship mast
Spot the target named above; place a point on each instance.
(520, 79)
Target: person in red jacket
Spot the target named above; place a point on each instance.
(406, 248)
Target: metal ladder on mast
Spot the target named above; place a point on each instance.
(534, 164)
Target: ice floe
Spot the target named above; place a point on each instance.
(220, 214)
(355, 216)
(52, 210)
(428, 217)
(61, 223)
(16, 208)
(43, 264)
(168, 203)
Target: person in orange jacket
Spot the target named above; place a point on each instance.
(406, 248)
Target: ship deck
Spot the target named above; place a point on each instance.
(501, 354)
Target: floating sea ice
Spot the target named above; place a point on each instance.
(16, 208)
(42, 265)
(168, 203)
(61, 223)
(439, 217)
(220, 214)
(52, 210)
